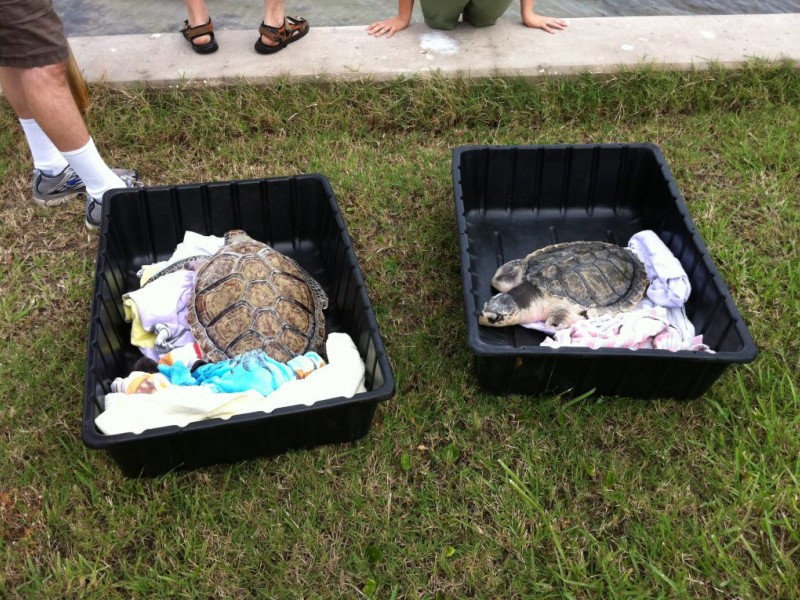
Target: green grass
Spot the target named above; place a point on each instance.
(454, 492)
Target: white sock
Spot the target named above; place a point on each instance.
(46, 156)
(93, 170)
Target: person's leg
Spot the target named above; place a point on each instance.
(43, 94)
(484, 13)
(197, 13)
(33, 75)
(55, 178)
(46, 157)
(274, 14)
(442, 14)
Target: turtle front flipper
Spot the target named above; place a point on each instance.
(509, 275)
(562, 315)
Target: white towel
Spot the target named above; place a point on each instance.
(179, 405)
(677, 318)
(669, 284)
(641, 328)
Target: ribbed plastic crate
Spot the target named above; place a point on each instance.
(511, 201)
(298, 216)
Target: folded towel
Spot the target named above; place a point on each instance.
(669, 284)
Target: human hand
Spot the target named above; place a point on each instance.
(549, 24)
(388, 27)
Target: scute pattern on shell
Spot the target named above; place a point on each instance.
(249, 296)
(591, 274)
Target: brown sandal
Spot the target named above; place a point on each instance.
(293, 29)
(190, 33)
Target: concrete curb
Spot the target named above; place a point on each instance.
(596, 45)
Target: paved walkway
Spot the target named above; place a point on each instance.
(347, 53)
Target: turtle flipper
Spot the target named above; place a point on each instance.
(508, 275)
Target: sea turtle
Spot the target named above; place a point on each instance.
(248, 296)
(562, 283)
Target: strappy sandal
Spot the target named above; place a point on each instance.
(191, 33)
(293, 29)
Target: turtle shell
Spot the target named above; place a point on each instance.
(591, 274)
(248, 296)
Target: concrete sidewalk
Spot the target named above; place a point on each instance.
(594, 45)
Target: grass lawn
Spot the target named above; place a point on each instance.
(454, 493)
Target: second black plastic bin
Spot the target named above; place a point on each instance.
(511, 201)
(298, 216)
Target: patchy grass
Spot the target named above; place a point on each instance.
(454, 492)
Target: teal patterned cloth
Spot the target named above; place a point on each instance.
(250, 371)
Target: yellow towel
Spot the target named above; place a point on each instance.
(139, 335)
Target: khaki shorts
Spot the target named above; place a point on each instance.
(31, 34)
(443, 14)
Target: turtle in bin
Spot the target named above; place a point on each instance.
(561, 283)
(248, 296)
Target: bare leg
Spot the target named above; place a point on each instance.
(43, 94)
(274, 13)
(197, 12)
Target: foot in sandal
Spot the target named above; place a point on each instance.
(201, 37)
(274, 39)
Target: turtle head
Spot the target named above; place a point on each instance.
(236, 235)
(523, 303)
(509, 275)
(500, 311)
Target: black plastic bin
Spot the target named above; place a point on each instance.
(298, 216)
(511, 201)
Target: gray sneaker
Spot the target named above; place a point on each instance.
(51, 190)
(94, 206)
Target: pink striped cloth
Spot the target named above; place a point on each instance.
(637, 329)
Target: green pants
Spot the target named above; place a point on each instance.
(443, 14)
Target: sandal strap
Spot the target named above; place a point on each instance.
(298, 23)
(191, 33)
(271, 33)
